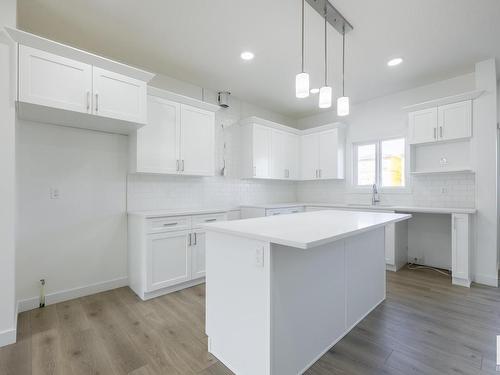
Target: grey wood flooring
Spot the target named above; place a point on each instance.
(426, 326)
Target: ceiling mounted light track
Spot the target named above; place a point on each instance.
(334, 17)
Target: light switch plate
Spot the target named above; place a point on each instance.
(54, 193)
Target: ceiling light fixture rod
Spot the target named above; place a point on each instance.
(326, 48)
(335, 18)
(303, 5)
(343, 62)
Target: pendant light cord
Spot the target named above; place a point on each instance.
(326, 50)
(303, 1)
(343, 60)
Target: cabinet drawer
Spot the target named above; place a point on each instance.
(199, 220)
(284, 211)
(168, 224)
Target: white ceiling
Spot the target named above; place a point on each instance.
(199, 41)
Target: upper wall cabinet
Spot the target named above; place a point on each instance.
(274, 151)
(61, 85)
(178, 139)
(322, 155)
(441, 123)
(269, 150)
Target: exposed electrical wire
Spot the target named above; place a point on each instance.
(414, 267)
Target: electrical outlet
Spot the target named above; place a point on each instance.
(444, 190)
(54, 193)
(259, 257)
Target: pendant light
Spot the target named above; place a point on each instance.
(325, 92)
(343, 101)
(302, 79)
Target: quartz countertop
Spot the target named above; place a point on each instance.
(307, 229)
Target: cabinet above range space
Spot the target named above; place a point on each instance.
(274, 151)
(62, 85)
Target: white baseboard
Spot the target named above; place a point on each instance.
(68, 294)
(7, 337)
(486, 280)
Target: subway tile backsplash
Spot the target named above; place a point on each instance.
(148, 192)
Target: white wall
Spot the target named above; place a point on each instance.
(79, 239)
(7, 182)
(485, 148)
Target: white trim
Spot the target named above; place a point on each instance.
(68, 294)
(322, 128)
(7, 337)
(460, 282)
(38, 42)
(172, 289)
(269, 124)
(178, 98)
(486, 280)
(469, 95)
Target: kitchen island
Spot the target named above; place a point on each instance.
(282, 290)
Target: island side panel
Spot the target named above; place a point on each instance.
(308, 304)
(238, 302)
(365, 274)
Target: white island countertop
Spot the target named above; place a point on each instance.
(307, 229)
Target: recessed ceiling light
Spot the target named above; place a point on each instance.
(247, 55)
(394, 62)
(314, 91)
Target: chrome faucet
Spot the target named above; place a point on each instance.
(375, 195)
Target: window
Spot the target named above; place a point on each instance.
(381, 162)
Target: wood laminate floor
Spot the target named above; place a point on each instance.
(426, 326)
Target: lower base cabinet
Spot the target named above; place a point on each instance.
(166, 254)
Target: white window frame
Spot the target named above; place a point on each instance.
(378, 168)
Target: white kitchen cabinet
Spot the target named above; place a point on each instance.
(178, 139)
(65, 86)
(54, 81)
(461, 249)
(284, 155)
(155, 147)
(166, 253)
(118, 96)
(197, 149)
(198, 254)
(261, 145)
(168, 259)
(423, 125)
(441, 123)
(322, 155)
(455, 120)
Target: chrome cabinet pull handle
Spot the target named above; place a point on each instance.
(195, 238)
(177, 162)
(441, 132)
(182, 165)
(189, 239)
(435, 133)
(210, 220)
(88, 101)
(97, 102)
(169, 224)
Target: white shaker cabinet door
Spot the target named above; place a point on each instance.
(309, 156)
(118, 96)
(198, 255)
(168, 259)
(331, 163)
(455, 120)
(278, 155)
(54, 81)
(460, 249)
(261, 151)
(292, 151)
(158, 141)
(423, 125)
(197, 141)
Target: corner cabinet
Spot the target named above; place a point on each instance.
(322, 155)
(61, 85)
(274, 151)
(178, 139)
(166, 253)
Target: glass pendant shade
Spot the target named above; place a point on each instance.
(343, 106)
(302, 85)
(325, 97)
